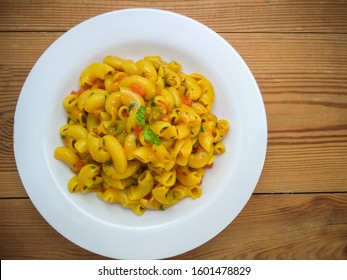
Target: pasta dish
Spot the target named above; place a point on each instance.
(140, 133)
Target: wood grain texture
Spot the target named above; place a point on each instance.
(298, 226)
(297, 51)
(221, 15)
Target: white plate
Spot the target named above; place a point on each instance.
(110, 230)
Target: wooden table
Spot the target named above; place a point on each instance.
(297, 51)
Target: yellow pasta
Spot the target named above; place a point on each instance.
(129, 97)
(164, 195)
(146, 69)
(87, 176)
(95, 149)
(143, 188)
(112, 145)
(181, 191)
(95, 101)
(110, 171)
(142, 83)
(67, 155)
(93, 72)
(140, 133)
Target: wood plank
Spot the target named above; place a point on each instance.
(304, 168)
(17, 59)
(221, 15)
(26, 235)
(10, 183)
(288, 226)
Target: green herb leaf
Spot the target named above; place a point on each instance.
(140, 116)
(148, 133)
(132, 106)
(150, 136)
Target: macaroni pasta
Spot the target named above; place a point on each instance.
(140, 133)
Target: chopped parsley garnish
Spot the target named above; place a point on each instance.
(150, 136)
(132, 105)
(148, 133)
(140, 116)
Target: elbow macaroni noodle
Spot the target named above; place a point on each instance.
(140, 133)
